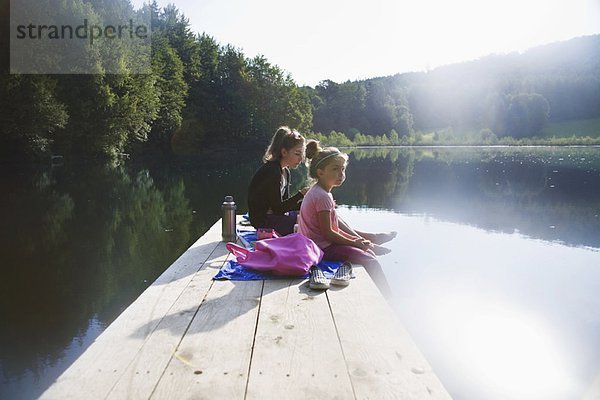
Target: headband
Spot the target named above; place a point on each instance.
(337, 153)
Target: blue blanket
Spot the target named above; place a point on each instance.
(247, 237)
(236, 272)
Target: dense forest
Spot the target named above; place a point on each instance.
(512, 95)
(201, 94)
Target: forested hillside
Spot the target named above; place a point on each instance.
(203, 94)
(199, 93)
(505, 95)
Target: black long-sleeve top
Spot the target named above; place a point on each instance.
(265, 192)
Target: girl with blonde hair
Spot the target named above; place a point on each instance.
(319, 221)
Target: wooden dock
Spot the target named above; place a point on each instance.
(189, 337)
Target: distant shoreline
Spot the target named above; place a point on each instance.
(573, 133)
(474, 146)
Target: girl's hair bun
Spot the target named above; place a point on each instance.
(312, 148)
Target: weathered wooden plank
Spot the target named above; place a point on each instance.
(193, 258)
(297, 354)
(382, 359)
(213, 359)
(99, 368)
(187, 337)
(142, 375)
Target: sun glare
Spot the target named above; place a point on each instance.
(342, 40)
(507, 351)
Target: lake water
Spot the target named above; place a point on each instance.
(495, 270)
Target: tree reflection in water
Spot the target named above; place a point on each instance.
(80, 242)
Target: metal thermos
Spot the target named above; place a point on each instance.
(228, 230)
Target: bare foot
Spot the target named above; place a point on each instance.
(381, 238)
(380, 250)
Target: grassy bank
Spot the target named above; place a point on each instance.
(576, 133)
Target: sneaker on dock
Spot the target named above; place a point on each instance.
(317, 279)
(343, 275)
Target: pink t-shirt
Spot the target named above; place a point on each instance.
(315, 200)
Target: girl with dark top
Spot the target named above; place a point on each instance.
(269, 198)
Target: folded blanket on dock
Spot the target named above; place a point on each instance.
(247, 237)
(236, 272)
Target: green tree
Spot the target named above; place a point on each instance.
(171, 90)
(31, 114)
(204, 97)
(405, 123)
(394, 137)
(380, 109)
(107, 112)
(527, 114)
(175, 27)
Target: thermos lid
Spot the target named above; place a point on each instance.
(229, 199)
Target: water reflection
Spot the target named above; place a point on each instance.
(493, 264)
(79, 243)
(499, 316)
(553, 194)
(509, 353)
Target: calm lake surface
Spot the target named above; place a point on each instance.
(495, 270)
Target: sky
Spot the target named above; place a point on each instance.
(344, 40)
